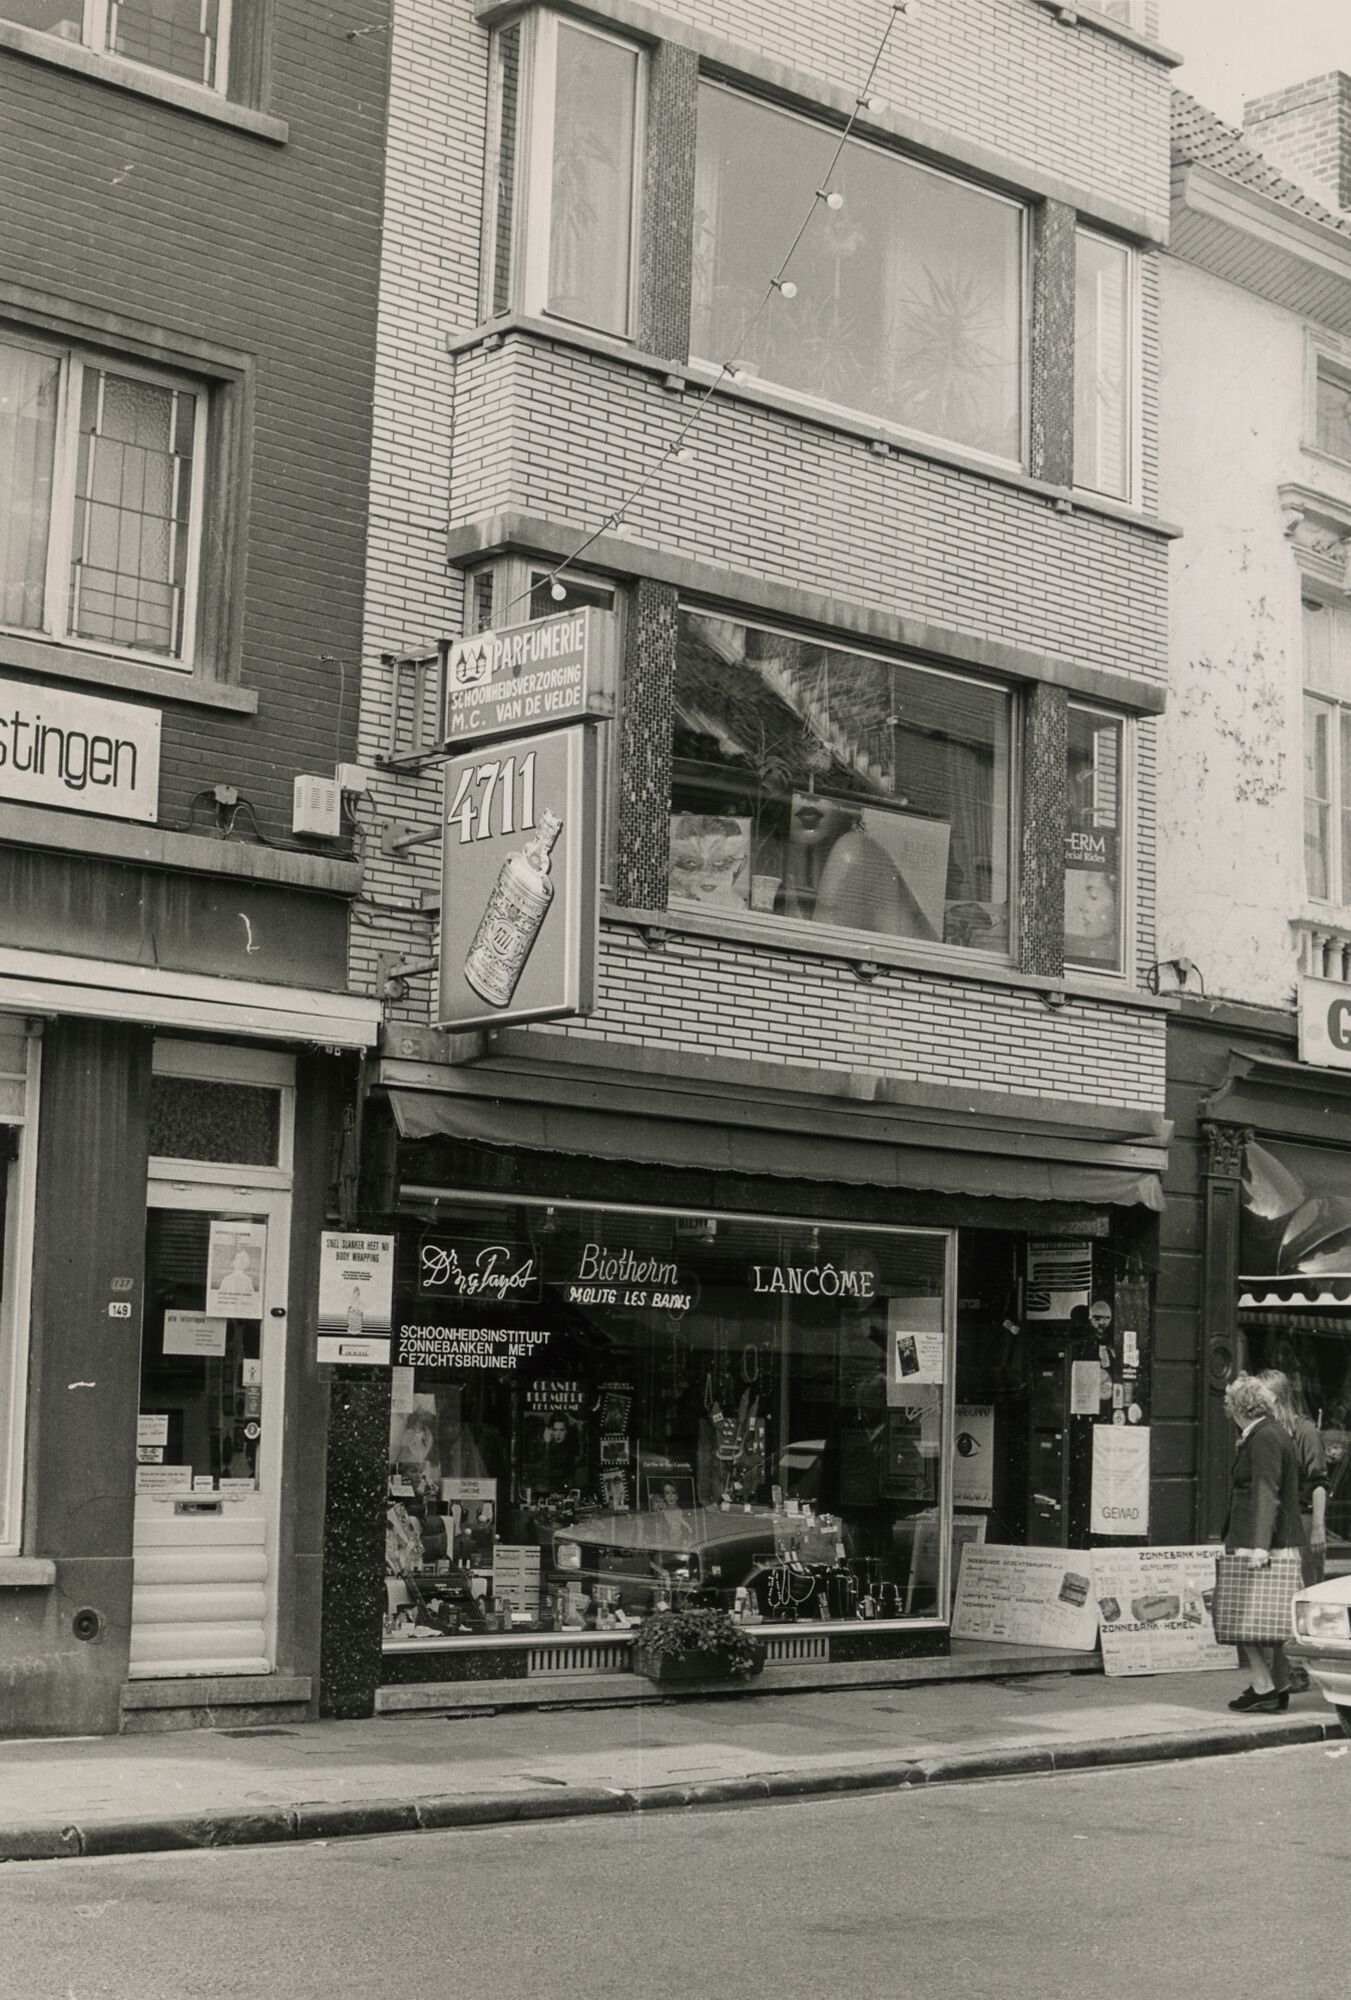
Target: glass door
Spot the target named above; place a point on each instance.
(208, 1430)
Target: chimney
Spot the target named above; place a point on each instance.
(1305, 133)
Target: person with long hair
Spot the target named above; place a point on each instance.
(1263, 1521)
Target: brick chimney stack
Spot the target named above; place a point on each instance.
(1305, 132)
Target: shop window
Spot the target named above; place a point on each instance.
(183, 38)
(19, 1061)
(101, 501)
(601, 1412)
(1095, 883)
(565, 141)
(909, 295)
(1104, 365)
(192, 1118)
(1327, 752)
(823, 787)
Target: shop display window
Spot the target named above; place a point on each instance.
(827, 787)
(599, 1412)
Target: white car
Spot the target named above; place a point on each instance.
(1321, 1617)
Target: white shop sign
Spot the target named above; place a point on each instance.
(1325, 1023)
(63, 748)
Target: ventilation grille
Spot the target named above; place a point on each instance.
(564, 1659)
(795, 1646)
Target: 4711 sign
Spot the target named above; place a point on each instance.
(520, 867)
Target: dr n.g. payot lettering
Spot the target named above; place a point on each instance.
(813, 1281)
(490, 1275)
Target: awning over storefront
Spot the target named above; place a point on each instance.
(39, 982)
(948, 1142)
(1295, 1233)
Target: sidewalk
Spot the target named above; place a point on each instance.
(223, 1787)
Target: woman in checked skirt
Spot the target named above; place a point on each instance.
(1263, 1521)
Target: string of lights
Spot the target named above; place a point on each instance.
(780, 285)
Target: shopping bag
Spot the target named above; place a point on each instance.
(1254, 1604)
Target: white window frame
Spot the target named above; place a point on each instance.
(1320, 347)
(529, 247)
(15, 1305)
(73, 360)
(1133, 384)
(1326, 700)
(712, 367)
(97, 33)
(210, 1063)
(1124, 974)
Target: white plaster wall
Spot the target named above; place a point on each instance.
(1230, 780)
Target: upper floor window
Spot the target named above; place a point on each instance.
(1095, 840)
(830, 787)
(564, 147)
(1104, 356)
(1327, 752)
(101, 471)
(1332, 407)
(909, 302)
(187, 38)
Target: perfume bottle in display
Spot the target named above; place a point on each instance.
(516, 909)
(356, 1317)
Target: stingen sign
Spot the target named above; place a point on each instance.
(1325, 1023)
(60, 748)
(526, 677)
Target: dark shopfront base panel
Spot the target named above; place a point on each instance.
(512, 1663)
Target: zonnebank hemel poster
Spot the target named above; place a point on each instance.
(1154, 1611)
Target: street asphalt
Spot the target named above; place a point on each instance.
(76, 1797)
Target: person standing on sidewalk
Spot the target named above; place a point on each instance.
(1263, 1521)
(1307, 1439)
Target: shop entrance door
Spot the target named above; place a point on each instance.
(209, 1430)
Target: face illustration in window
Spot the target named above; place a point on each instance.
(710, 860)
(1090, 905)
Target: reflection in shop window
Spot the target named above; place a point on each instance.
(909, 294)
(601, 1413)
(837, 788)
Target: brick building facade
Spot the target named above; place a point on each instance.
(918, 459)
(186, 434)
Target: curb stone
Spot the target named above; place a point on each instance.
(344, 1820)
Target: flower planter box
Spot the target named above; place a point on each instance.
(700, 1664)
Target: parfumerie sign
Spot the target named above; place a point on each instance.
(62, 748)
(524, 677)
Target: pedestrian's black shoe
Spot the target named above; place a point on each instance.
(1274, 1702)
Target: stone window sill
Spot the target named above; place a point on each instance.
(27, 1573)
(102, 670)
(141, 82)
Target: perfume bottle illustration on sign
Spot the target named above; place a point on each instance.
(516, 909)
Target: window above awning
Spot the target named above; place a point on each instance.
(969, 1143)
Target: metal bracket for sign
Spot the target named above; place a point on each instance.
(393, 973)
(401, 834)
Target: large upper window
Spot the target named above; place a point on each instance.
(1332, 407)
(564, 146)
(1094, 840)
(187, 38)
(1327, 752)
(909, 295)
(837, 788)
(1103, 366)
(101, 470)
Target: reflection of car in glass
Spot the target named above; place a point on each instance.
(1321, 1617)
(696, 1548)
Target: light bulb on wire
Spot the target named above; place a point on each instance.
(831, 197)
(557, 592)
(785, 288)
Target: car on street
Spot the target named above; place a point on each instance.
(1321, 1616)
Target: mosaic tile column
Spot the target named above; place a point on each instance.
(354, 1544)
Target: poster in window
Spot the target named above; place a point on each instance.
(864, 868)
(1092, 896)
(234, 1265)
(710, 861)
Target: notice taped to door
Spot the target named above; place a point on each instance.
(1026, 1597)
(1154, 1611)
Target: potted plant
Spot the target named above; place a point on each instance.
(696, 1644)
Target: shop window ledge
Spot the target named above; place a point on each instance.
(27, 1572)
(217, 1691)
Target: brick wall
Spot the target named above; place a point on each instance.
(118, 204)
(550, 430)
(713, 997)
(1306, 132)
